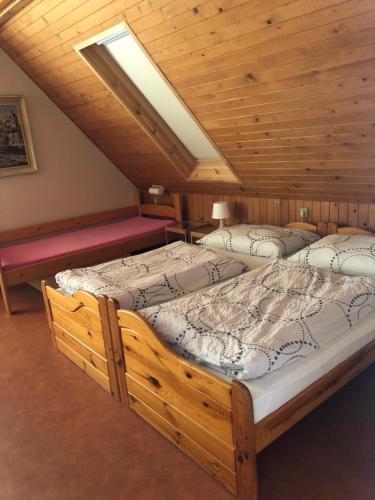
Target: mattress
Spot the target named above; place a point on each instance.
(52, 247)
(272, 391)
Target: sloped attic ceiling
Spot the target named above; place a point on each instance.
(284, 88)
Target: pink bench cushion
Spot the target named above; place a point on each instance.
(32, 252)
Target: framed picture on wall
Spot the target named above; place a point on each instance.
(16, 148)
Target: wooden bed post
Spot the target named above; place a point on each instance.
(138, 201)
(176, 198)
(48, 311)
(4, 293)
(118, 352)
(109, 348)
(244, 441)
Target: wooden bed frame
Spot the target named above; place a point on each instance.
(79, 322)
(89, 257)
(210, 419)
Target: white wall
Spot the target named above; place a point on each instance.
(73, 176)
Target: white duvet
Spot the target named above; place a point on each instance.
(152, 277)
(265, 319)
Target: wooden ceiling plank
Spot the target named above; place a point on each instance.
(326, 100)
(200, 11)
(287, 71)
(300, 31)
(171, 10)
(306, 51)
(245, 20)
(320, 90)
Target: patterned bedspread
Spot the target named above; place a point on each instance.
(153, 277)
(264, 319)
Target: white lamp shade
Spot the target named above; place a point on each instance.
(220, 210)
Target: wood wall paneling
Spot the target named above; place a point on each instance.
(279, 212)
(285, 89)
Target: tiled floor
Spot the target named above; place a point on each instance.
(63, 438)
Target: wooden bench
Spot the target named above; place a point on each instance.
(35, 252)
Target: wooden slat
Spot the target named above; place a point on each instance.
(219, 450)
(75, 345)
(75, 301)
(212, 415)
(187, 373)
(196, 452)
(81, 324)
(88, 368)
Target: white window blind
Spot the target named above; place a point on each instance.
(139, 68)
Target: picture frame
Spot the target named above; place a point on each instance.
(17, 154)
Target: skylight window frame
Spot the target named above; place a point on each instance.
(122, 87)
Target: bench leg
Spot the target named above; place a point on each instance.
(4, 294)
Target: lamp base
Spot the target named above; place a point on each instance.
(221, 226)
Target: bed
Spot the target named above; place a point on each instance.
(78, 312)
(223, 423)
(36, 252)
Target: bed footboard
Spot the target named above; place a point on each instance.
(80, 329)
(208, 418)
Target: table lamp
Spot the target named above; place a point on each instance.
(220, 211)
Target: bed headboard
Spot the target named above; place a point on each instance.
(354, 231)
(305, 226)
(325, 228)
(169, 211)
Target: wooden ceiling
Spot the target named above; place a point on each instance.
(286, 89)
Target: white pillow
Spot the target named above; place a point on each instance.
(343, 253)
(264, 241)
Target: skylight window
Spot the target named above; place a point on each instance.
(121, 63)
(126, 51)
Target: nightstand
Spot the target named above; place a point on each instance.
(200, 232)
(182, 229)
